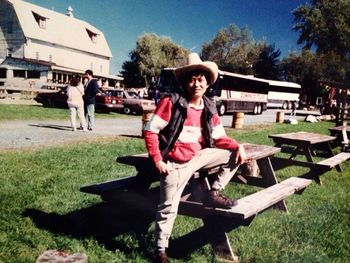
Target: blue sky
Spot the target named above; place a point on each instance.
(189, 23)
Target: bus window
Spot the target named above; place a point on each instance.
(167, 83)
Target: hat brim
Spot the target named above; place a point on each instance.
(207, 66)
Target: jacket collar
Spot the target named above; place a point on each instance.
(208, 104)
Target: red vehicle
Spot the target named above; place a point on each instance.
(132, 103)
(109, 100)
(106, 101)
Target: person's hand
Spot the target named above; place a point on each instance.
(241, 156)
(162, 167)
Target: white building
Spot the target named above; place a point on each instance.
(40, 46)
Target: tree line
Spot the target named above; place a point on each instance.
(324, 33)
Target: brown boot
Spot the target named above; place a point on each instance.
(160, 257)
(215, 199)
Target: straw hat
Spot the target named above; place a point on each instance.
(194, 63)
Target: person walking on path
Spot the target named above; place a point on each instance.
(184, 135)
(75, 92)
(91, 89)
(294, 107)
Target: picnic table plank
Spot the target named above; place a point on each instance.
(259, 201)
(335, 160)
(141, 161)
(338, 130)
(249, 205)
(302, 137)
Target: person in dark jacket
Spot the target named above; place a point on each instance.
(91, 89)
(184, 135)
(294, 107)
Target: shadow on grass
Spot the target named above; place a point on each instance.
(131, 136)
(52, 126)
(126, 213)
(106, 222)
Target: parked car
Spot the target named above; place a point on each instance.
(106, 101)
(53, 99)
(134, 104)
(109, 100)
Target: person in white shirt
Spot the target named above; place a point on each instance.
(75, 92)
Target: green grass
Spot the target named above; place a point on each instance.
(34, 112)
(42, 208)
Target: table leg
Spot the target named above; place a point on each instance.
(269, 179)
(214, 232)
(308, 154)
(295, 153)
(219, 239)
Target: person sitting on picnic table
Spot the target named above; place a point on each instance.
(184, 135)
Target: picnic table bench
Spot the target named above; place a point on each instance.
(306, 144)
(338, 130)
(343, 134)
(217, 222)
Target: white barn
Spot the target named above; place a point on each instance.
(40, 46)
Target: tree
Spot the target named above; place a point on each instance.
(233, 49)
(152, 53)
(325, 25)
(131, 72)
(267, 65)
(304, 68)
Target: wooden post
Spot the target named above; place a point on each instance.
(146, 117)
(280, 117)
(237, 120)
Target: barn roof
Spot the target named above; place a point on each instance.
(60, 29)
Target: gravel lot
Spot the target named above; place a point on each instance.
(33, 134)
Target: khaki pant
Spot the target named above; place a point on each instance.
(73, 117)
(173, 184)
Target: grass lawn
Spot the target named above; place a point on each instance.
(34, 112)
(42, 208)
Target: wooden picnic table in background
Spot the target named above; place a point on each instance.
(303, 143)
(337, 132)
(309, 145)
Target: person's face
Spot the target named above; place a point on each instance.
(197, 85)
(87, 76)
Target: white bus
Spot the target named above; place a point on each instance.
(234, 92)
(240, 93)
(282, 94)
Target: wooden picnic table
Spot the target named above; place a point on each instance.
(338, 129)
(337, 132)
(217, 222)
(303, 143)
(307, 144)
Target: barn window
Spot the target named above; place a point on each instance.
(92, 35)
(33, 74)
(9, 52)
(18, 73)
(40, 20)
(3, 73)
